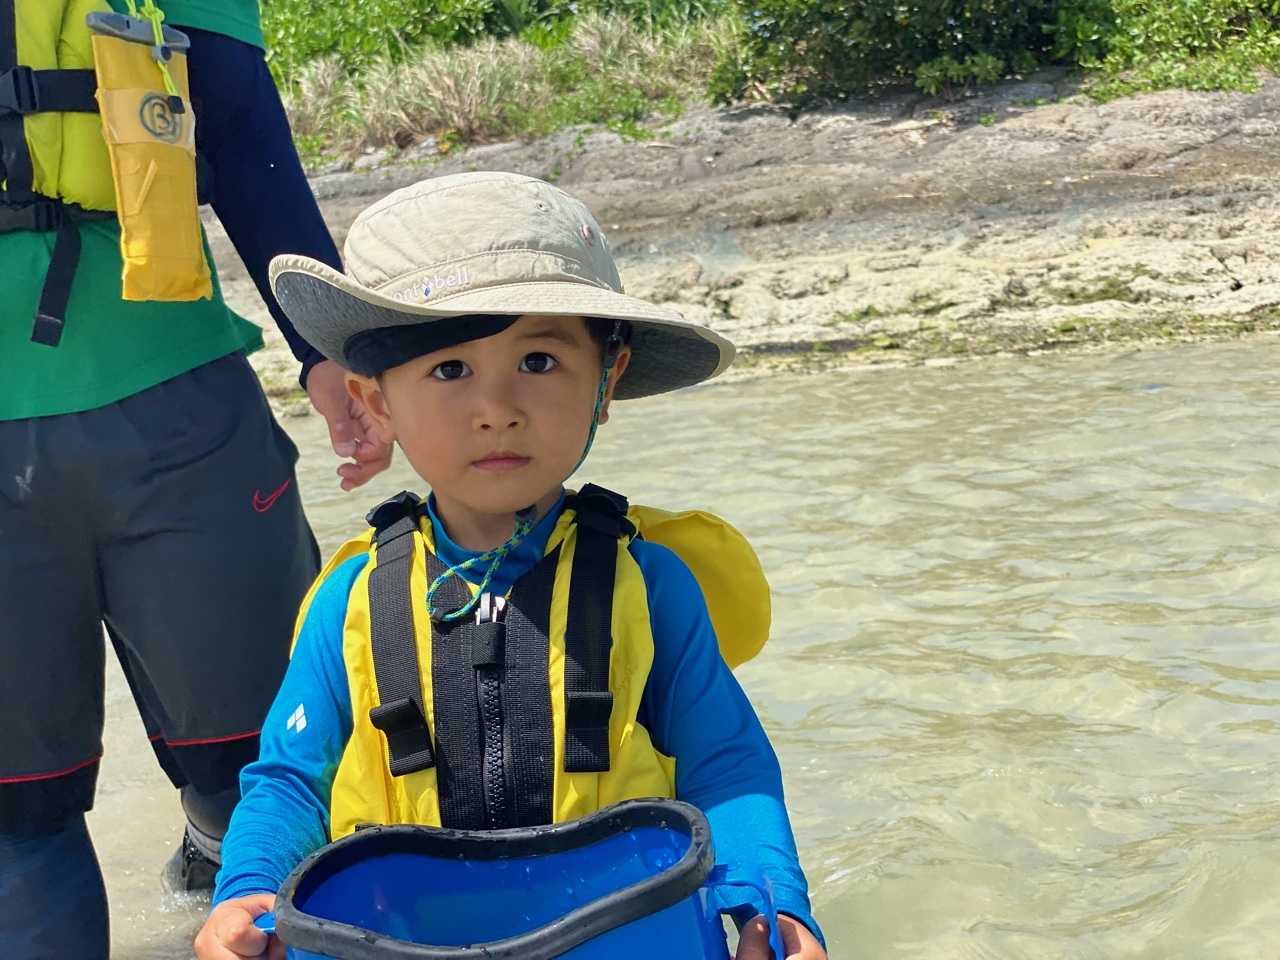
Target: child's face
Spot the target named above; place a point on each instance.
(497, 424)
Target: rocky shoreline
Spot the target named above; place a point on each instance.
(904, 229)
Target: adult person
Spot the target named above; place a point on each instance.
(144, 485)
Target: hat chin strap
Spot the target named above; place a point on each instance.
(611, 348)
(526, 517)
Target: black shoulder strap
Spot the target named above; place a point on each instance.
(14, 153)
(600, 516)
(399, 714)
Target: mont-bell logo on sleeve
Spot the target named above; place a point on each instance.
(425, 286)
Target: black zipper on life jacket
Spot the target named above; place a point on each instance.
(488, 660)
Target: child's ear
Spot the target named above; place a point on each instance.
(619, 366)
(368, 392)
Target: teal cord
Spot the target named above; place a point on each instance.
(611, 348)
(494, 557)
(526, 517)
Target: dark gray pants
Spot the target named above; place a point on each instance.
(173, 519)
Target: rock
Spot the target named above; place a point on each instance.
(838, 225)
(665, 284)
(901, 325)
(750, 302)
(336, 165)
(892, 262)
(1222, 252)
(1243, 303)
(804, 281)
(374, 158)
(1146, 288)
(962, 311)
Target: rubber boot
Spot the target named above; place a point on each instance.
(52, 901)
(194, 866)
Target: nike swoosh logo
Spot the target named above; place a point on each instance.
(263, 504)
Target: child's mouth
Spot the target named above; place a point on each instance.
(500, 462)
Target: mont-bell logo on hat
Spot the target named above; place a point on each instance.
(426, 285)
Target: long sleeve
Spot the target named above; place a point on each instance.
(283, 814)
(696, 712)
(260, 192)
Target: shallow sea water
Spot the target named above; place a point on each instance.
(1024, 678)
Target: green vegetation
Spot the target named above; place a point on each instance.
(607, 70)
(356, 35)
(361, 33)
(798, 51)
(1196, 44)
(382, 73)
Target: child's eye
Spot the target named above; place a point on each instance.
(450, 370)
(537, 363)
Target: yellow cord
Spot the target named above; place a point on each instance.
(153, 13)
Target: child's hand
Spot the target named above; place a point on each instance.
(229, 933)
(797, 941)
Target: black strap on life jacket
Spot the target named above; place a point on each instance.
(601, 517)
(399, 713)
(490, 690)
(24, 91)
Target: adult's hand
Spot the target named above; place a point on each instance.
(350, 429)
(797, 941)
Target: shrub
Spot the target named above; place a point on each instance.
(1197, 44)
(797, 50)
(357, 33)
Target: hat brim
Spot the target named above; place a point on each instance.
(668, 352)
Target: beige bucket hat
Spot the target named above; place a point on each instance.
(487, 244)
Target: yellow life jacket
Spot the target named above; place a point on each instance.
(57, 170)
(529, 717)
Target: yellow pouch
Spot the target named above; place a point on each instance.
(153, 164)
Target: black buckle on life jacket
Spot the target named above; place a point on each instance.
(31, 211)
(397, 716)
(48, 215)
(403, 504)
(19, 92)
(603, 511)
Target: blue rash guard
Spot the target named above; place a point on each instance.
(693, 708)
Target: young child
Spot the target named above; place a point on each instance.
(504, 653)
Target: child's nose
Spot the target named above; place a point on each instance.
(499, 409)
